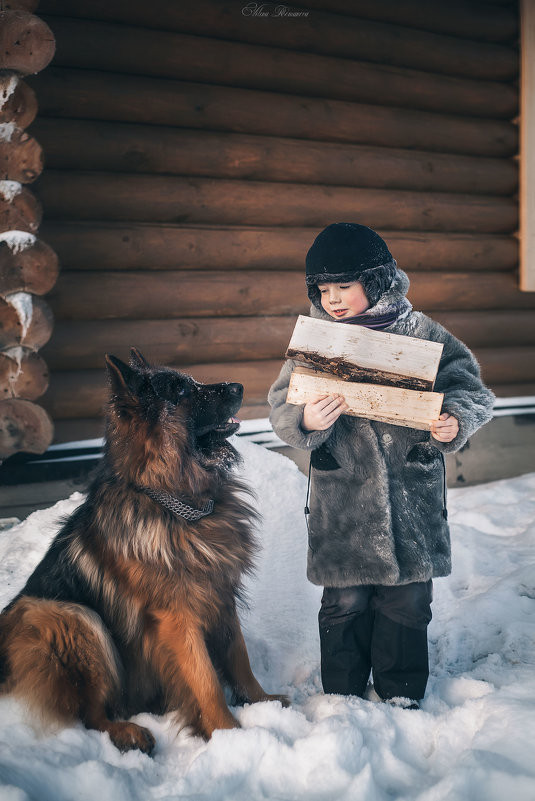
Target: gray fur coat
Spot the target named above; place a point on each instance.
(378, 491)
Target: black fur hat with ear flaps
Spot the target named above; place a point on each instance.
(349, 252)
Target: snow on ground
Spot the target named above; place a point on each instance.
(473, 739)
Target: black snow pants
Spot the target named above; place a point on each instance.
(379, 629)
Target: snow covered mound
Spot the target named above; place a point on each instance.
(473, 739)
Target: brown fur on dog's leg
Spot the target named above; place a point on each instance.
(180, 638)
(240, 675)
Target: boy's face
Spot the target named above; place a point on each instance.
(343, 300)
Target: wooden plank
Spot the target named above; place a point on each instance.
(120, 147)
(457, 18)
(486, 329)
(143, 246)
(402, 407)
(139, 295)
(148, 198)
(507, 365)
(318, 32)
(527, 147)
(91, 95)
(142, 51)
(356, 354)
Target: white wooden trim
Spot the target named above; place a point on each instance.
(527, 146)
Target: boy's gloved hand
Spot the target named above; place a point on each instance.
(446, 428)
(320, 413)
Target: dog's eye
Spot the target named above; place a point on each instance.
(168, 388)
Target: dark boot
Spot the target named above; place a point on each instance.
(400, 659)
(345, 654)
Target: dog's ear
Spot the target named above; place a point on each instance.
(137, 359)
(124, 380)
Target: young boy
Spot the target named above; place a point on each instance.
(378, 530)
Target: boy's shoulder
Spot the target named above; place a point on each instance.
(417, 324)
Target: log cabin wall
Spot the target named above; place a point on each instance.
(194, 150)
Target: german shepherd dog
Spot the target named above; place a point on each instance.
(133, 607)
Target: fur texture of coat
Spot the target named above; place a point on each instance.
(378, 491)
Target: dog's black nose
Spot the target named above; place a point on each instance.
(235, 389)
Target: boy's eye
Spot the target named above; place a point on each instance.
(344, 286)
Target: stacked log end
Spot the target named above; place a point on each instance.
(28, 266)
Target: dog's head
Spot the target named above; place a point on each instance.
(164, 410)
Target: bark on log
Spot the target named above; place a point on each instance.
(91, 95)
(23, 374)
(355, 354)
(88, 145)
(24, 426)
(455, 18)
(140, 51)
(19, 106)
(120, 246)
(26, 42)
(84, 393)
(318, 32)
(19, 208)
(80, 344)
(24, 321)
(21, 158)
(168, 295)
(33, 269)
(147, 198)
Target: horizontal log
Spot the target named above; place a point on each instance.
(80, 344)
(24, 426)
(519, 390)
(140, 51)
(163, 295)
(18, 105)
(25, 320)
(83, 393)
(26, 42)
(147, 198)
(319, 32)
(21, 158)
(507, 365)
(457, 18)
(120, 246)
(19, 208)
(31, 269)
(23, 374)
(490, 329)
(388, 404)
(91, 95)
(117, 147)
(356, 354)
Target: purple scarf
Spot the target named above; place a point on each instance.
(379, 320)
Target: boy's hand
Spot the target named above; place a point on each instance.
(322, 412)
(445, 428)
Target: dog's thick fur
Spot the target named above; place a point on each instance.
(134, 608)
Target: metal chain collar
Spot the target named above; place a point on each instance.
(177, 506)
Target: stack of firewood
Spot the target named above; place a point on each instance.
(28, 267)
(382, 376)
